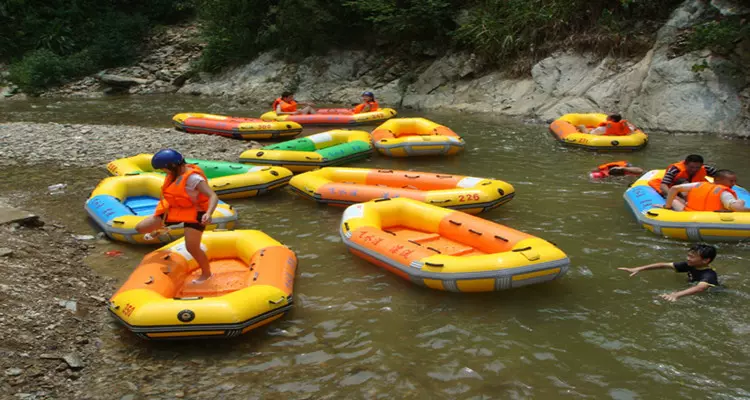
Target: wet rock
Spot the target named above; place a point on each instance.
(70, 305)
(9, 215)
(120, 80)
(13, 371)
(73, 360)
(5, 252)
(83, 237)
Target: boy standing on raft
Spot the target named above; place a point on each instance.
(697, 267)
(286, 105)
(186, 198)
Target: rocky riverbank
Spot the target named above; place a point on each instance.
(96, 145)
(668, 89)
(53, 310)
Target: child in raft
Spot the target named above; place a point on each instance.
(186, 198)
(615, 168)
(614, 126)
(697, 266)
(286, 105)
(368, 104)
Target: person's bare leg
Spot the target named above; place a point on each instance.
(582, 129)
(633, 170)
(678, 204)
(193, 245)
(308, 110)
(149, 224)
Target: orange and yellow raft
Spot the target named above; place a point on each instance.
(448, 250)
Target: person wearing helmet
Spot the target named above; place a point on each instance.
(187, 199)
(368, 104)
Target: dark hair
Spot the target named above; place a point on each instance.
(693, 158)
(722, 173)
(286, 94)
(615, 117)
(705, 251)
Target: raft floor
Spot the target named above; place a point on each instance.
(433, 240)
(228, 275)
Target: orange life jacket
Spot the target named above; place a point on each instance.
(176, 201)
(616, 128)
(699, 176)
(604, 168)
(285, 107)
(707, 197)
(373, 107)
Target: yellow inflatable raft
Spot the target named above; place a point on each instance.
(234, 127)
(406, 137)
(119, 203)
(323, 149)
(346, 186)
(566, 131)
(646, 203)
(333, 117)
(229, 180)
(250, 286)
(447, 250)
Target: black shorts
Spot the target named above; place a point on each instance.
(617, 171)
(197, 225)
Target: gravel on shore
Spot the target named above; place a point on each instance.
(94, 145)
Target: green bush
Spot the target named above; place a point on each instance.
(38, 69)
(719, 36)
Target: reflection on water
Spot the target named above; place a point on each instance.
(357, 331)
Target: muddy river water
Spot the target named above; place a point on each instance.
(359, 332)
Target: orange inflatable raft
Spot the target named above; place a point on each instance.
(234, 127)
(346, 186)
(446, 249)
(406, 137)
(251, 285)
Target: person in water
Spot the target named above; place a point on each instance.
(368, 104)
(616, 168)
(286, 105)
(697, 266)
(186, 198)
(613, 126)
(690, 170)
(707, 196)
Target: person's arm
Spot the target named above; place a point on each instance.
(636, 270)
(633, 170)
(710, 170)
(279, 112)
(733, 204)
(674, 190)
(700, 287)
(668, 179)
(213, 201)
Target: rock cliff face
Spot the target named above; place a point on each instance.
(658, 92)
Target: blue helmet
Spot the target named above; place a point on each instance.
(165, 158)
(368, 94)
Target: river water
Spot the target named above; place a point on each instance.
(359, 332)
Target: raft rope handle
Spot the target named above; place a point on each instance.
(440, 201)
(118, 222)
(501, 192)
(255, 277)
(435, 250)
(443, 176)
(411, 177)
(389, 232)
(259, 154)
(277, 301)
(346, 226)
(379, 200)
(486, 183)
(429, 264)
(311, 158)
(188, 298)
(652, 214)
(501, 238)
(308, 190)
(150, 280)
(236, 166)
(475, 232)
(411, 241)
(455, 222)
(220, 186)
(522, 249)
(385, 171)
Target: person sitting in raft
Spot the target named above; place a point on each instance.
(186, 198)
(697, 267)
(616, 168)
(286, 105)
(690, 170)
(707, 196)
(614, 126)
(368, 104)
